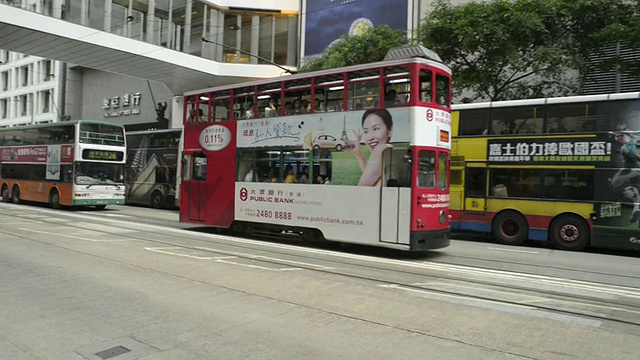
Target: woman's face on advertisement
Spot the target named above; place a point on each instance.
(375, 131)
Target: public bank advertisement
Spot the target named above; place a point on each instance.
(327, 20)
(343, 213)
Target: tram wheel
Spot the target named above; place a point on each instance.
(100, 207)
(54, 199)
(15, 194)
(510, 228)
(569, 232)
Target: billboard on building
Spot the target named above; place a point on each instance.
(327, 20)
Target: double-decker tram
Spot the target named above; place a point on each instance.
(353, 155)
(152, 162)
(71, 163)
(562, 170)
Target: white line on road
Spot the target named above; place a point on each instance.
(71, 236)
(514, 250)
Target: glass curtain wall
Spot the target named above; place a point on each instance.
(181, 25)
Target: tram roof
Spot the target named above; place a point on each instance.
(306, 75)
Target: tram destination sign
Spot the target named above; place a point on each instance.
(556, 151)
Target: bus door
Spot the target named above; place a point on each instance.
(395, 198)
(475, 197)
(195, 186)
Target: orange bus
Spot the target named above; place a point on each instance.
(71, 163)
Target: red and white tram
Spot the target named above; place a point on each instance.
(354, 155)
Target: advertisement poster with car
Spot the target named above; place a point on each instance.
(344, 138)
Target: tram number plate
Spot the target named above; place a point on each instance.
(610, 210)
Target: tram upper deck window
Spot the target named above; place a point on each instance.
(221, 106)
(426, 86)
(364, 89)
(269, 100)
(297, 97)
(443, 86)
(397, 86)
(244, 103)
(329, 93)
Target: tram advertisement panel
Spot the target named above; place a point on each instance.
(340, 139)
(350, 212)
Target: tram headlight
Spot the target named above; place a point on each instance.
(443, 216)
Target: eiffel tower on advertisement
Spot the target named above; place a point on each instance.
(344, 129)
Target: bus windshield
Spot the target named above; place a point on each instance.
(103, 134)
(90, 173)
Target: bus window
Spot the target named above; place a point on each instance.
(517, 120)
(473, 122)
(243, 103)
(476, 182)
(426, 169)
(246, 168)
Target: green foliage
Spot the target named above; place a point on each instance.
(370, 46)
(512, 49)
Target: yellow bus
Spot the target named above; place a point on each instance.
(559, 170)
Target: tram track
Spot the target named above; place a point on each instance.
(389, 273)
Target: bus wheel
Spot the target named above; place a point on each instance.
(100, 207)
(510, 228)
(157, 200)
(54, 199)
(5, 193)
(569, 232)
(15, 194)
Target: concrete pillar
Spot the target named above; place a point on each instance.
(238, 44)
(219, 36)
(292, 36)
(107, 15)
(151, 14)
(255, 38)
(187, 27)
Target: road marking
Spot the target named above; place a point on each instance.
(235, 255)
(516, 309)
(71, 236)
(514, 250)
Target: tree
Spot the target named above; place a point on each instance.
(369, 46)
(623, 32)
(514, 49)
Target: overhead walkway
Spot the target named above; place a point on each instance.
(39, 35)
